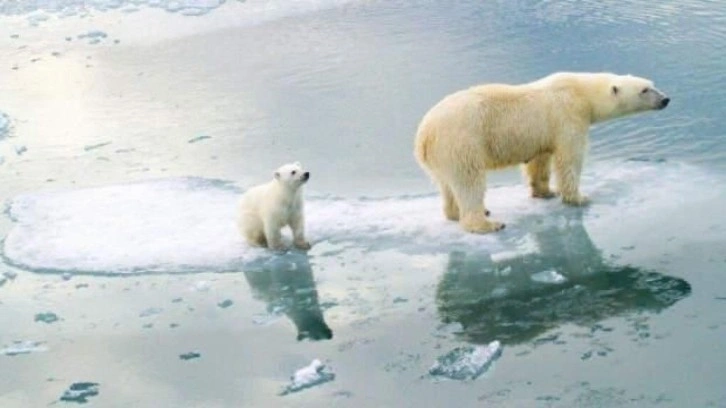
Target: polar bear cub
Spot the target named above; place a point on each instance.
(265, 209)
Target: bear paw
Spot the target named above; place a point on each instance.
(546, 194)
(481, 226)
(578, 201)
(304, 245)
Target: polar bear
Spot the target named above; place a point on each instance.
(537, 124)
(265, 209)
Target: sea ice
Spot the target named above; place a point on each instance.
(189, 224)
(314, 374)
(4, 125)
(467, 362)
(23, 347)
(80, 392)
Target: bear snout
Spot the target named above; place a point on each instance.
(306, 176)
(664, 102)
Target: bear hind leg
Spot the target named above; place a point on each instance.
(469, 194)
(538, 171)
(451, 208)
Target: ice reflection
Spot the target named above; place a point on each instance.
(499, 299)
(287, 285)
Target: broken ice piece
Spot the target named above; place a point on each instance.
(80, 392)
(548, 276)
(23, 347)
(314, 374)
(47, 317)
(468, 362)
(190, 355)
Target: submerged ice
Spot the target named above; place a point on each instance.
(467, 362)
(189, 224)
(4, 125)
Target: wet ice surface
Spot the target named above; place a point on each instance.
(119, 229)
(316, 373)
(466, 362)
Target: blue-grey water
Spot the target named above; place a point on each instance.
(128, 129)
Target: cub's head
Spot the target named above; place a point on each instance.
(292, 175)
(630, 94)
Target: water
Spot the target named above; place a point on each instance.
(128, 129)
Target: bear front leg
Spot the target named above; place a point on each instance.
(273, 236)
(568, 165)
(297, 225)
(537, 172)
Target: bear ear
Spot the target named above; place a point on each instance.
(615, 90)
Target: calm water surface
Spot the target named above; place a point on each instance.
(129, 128)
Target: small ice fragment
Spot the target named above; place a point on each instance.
(66, 276)
(190, 355)
(202, 286)
(468, 362)
(314, 374)
(23, 347)
(198, 139)
(225, 303)
(95, 146)
(548, 276)
(10, 275)
(19, 150)
(48, 317)
(150, 311)
(80, 392)
(399, 299)
(177, 300)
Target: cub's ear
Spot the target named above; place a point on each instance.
(615, 90)
(277, 175)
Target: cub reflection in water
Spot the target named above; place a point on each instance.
(498, 299)
(286, 284)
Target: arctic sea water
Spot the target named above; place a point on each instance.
(128, 130)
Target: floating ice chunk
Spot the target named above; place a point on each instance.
(466, 363)
(189, 224)
(4, 125)
(548, 276)
(202, 286)
(151, 311)
(198, 139)
(225, 303)
(80, 392)
(23, 347)
(48, 317)
(314, 374)
(189, 356)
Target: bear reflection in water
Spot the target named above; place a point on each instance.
(287, 285)
(500, 300)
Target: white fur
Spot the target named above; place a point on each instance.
(265, 209)
(541, 123)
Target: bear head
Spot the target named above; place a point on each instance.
(630, 94)
(292, 175)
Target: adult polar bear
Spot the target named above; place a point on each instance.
(492, 126)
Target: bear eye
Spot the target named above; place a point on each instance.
(293, 172)
(644, 90)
